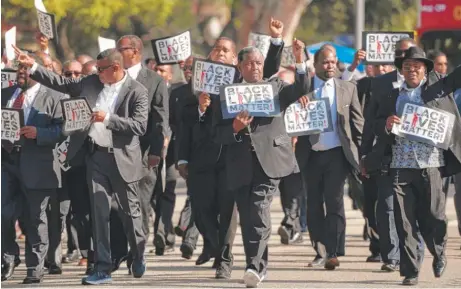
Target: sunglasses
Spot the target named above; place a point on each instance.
(101, 69)
(187, 67)
(71, 73)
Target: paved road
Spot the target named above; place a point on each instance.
(287, 264)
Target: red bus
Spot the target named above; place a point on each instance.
(439, 28)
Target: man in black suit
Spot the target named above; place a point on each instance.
(30, 174)
(417, 168)
(259, 153)
(114, 159)
(131, 47)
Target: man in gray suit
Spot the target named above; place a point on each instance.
(259, 153)
(327, 159)
(29, 169)
(114, 161)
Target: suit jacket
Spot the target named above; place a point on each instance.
(37, 167)
(157, 126)
(349, 125)
(267, 137)
(436, 93)
(127, 124)
(196, 145)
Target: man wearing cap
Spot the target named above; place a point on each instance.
(416, 169)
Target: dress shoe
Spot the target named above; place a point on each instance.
(410, 281)
(317, 262)
(202, 259)
(138, 268)
(186, 251)
(374, 258)
(223, 272)
(129, 263)
(288, 236)
(439, 265)
(179, 231)
(89, 269)
(32, 280)
(17, 261)
(83, 262)
(55, 270)
(7, 271)
(390, 266)
(97, 278)
(70, 257)
(331, 263)
(117, 262)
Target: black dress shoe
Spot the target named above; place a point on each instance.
(117, 262)
(129, 263)
(390, 266)
(438, 266)
(202, 259)
(318, 262)
(55, 270)
(7, 271)
(374, 258)
(32, 280)
(89, 269)
(17, 261)
(410, 281)
(186, 251)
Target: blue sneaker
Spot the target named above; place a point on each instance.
(138, 268)
(97, 278)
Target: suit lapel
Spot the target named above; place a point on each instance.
(123, 91)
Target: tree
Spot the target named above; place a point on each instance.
(90, 18)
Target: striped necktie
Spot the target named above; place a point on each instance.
(19, 101)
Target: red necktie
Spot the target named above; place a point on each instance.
(19, 101)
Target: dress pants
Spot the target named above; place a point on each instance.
(254, 203)
(291, 190)
(325, 176)
(419, 202)
(106, 183)
(187, 224)
(370, 208)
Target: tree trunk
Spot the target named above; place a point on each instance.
(63, 48)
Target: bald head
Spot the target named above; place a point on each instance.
(45, 60)
(84, 58)
(89, 68)
(325, 63)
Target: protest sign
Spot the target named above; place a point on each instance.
(8, 77)
(172, 49)
(260, 41)
(60, 154)
(259, 99)
(315, 118)
(76, 112)
(380, 46)
(12, 121)
(47, 25)
(288, 58)
(209, 76)
(426, 125)
(105, 43)
(10, 40)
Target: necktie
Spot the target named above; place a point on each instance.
(19, 101)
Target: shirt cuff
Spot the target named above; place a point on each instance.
(200, 113)
(277, 41)
(387, 131)
(237, 137)
(301, 68)
(182, 162)
(106, 119)
(33, 68)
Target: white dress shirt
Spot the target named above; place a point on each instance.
(29, 98)
(134, 70)
(326, 89)
(106, 102)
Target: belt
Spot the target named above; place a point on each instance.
(109, 150)
(330, 150)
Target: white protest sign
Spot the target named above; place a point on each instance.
(170, 50)
(12, 121)
(288, 58)
(315, 118)
(76, 112)
(60, 154)
(40, 6)
(46, 24)
(380, 46)
(260, 41)
(210, 76)
(259, 99)
(106, 43)
(427, 125)
(10, 40)
(8, 78)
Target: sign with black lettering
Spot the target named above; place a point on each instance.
(47, 25)
(288, 58)
(209, 76)
(315, 118)
(260, 41)
(8, 77)
(422, 124)
(380, 46)
(60, 154)
(259, 99)
(172, 49)
(12, 121)
(76, 112)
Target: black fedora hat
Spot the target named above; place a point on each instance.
(414, 53)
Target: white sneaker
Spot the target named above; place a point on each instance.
(251, 278)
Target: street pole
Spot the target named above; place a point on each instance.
(359, 22)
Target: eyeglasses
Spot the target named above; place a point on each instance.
(187, 67)
(70, 73)
(101, 69)
(411, 67)
(121, 49)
